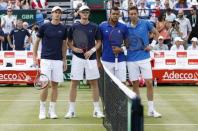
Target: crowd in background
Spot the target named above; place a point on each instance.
(175, 20)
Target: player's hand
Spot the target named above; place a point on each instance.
(99, 64)
(148, 48)
(116, 50)
(88, 54)
(77, 50)
(35, 60)
(64, 65)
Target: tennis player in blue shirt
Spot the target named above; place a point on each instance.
(84, 38)
(109, 29)
(53, 58)
(138, 56)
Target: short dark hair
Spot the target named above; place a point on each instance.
(133, 8)
(114, 8)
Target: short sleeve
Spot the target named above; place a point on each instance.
(40, 33)
(70, 33)
(98, 33)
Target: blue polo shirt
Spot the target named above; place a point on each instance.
(92, 32)
(107, 52)
(141, 30)
(52, 40)
(19, 37)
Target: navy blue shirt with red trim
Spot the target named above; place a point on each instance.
(93, 33)
(52, 40)
(19, 37)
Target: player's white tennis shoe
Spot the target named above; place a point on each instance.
(70, 115)
(42, 113)
(52, 115)
(98, 114)
(154, 114)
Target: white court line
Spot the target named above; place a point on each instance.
(143, 100)
(87, 124)
(38, 124)
(171, 124)
(39, 100)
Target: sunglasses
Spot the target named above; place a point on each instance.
(85, 12)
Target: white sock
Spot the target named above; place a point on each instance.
(52, 106)
(96, 106)
(71, 106)
(42, 105)
(150, 106)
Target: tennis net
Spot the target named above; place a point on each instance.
(122, 108)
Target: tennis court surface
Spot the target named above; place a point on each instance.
(19, 108)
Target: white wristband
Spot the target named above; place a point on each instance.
(124, 50)
(153, 43)
(93, 49)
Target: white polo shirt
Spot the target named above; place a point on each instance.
(8, 23)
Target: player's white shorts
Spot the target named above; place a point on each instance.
(53, 69)
(120, 73)
(139, 67)
(80, 66)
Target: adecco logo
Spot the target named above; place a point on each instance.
(180, 76)
(20, 61)
(181, 54)
(22, 76)
(9, 54)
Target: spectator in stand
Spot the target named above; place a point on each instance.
(155, 10)
(194, 45)
(143, 10)
(25, 4)
(35, 29)
(39, 17)
(169, 15)
(167, 4)
(17, 5)
(76, 12)
(161, 27)
(18, 34)
(3, 5)
(1, 37)
(124, 6)
(193, 17)
(180, 4)
(185, 27)
(160, 44)
(27, 42)
(8, 22)
(178, 44)
(175, 31)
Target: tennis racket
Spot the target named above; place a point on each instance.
(41, 81)
(80, 39)
(116, 40)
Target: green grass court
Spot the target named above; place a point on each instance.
(19, 108)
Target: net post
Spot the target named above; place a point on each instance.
(137, 115)
(129, 112)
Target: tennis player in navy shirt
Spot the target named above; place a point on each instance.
(108, 53)
(82, 61)
(138, 60)
(53, 58)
